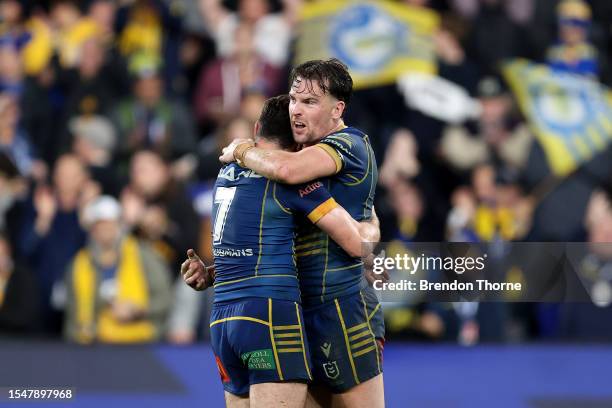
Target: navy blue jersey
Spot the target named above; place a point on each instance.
(253, 233)
(326, 271)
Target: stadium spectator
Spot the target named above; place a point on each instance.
(224, 82)
(19, 301)
(94, 141)
(271, 31)
(13, 139)
(50, 230)
(158, 209)
(574, 53)
(150, 120)
(118, 290)
(71, 30)
(499, 136)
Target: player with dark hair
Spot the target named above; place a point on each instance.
(257, 326)
(342, 314)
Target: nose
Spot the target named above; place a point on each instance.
(295, 109)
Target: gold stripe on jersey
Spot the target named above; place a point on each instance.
(333, 154)
(263, 210)
(322, 210)
(348, 349)
(278, 367)
(313, 252)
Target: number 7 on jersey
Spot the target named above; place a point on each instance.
(223, 198)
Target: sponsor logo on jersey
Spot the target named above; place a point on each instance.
(310, 188)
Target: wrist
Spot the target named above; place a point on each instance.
(241, 150)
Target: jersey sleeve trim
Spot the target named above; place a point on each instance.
(333, 154)
(322, 210)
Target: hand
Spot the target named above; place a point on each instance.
(154, 222)
(368, 265)
(45, 203)
(133, 207)
(89, 192)
(228, 152)
(195, 273)
(126, 311)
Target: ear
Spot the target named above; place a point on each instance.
(256, 129)
(338, 110)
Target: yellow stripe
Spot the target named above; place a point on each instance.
(292, 326)
(357, 181)
(345, 267)
(355, 328)
(373, 180)
(324, 281)
(227, 319)
(286, 335)
(373, 312)
(365, 313)
(309, 236)
(287, 210)
(263, 208)
(289, 343)
(278, 367)
(297, 312)
(364, 351)
(313, 252)
(290, 350)
(333, 154)
(309, 244)
(254, 277)
(361, 343)
(358, 335)
(322, 210)
(348, 347)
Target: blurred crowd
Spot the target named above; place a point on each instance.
(113, 114)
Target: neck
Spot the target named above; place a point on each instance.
(336, 126)
(339, 125)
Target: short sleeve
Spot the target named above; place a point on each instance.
(346, 151)
(312, 199)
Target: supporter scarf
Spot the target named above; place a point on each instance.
(131, 287)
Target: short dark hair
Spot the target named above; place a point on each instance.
(274, 122)
(332, 75)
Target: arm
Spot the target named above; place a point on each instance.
(286, 167)
(348, 233)
(213, 13)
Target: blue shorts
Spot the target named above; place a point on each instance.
(346, 337)
(259, 340)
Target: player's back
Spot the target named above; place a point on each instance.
(252, 239)
(326, 271)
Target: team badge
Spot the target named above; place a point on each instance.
(331, 370)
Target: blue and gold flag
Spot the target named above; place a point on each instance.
(378, 40)
(570, 115)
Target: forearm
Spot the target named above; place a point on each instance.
(370, 229)
(370, 233)
(272, 164)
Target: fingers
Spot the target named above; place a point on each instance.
(194, 268)
(185, 266)
(191, 254)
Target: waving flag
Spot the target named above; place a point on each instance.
(378, 40)
(570, 115)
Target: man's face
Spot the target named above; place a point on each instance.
(313, 113)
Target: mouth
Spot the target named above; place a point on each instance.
(298, 126)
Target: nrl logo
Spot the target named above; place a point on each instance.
(331, 370)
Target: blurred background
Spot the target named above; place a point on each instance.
(490, 120)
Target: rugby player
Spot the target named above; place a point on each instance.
(342, 314)
(257, 330)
